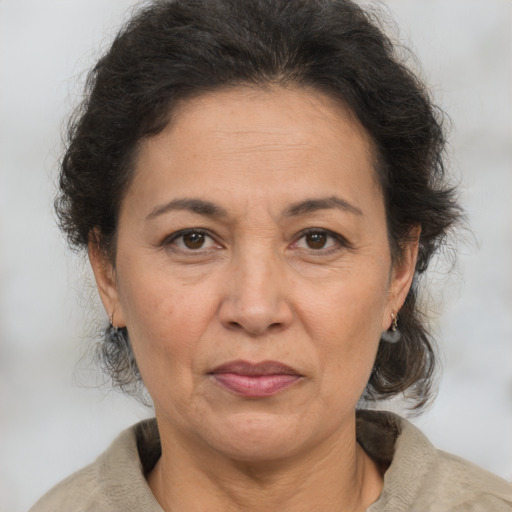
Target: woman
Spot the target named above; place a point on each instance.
(258, 184)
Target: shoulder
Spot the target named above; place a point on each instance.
(464, 486)
(425, 479)
(115, 482)
(80, 492)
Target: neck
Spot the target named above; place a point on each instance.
(334, 475)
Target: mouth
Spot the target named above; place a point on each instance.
(255, 380)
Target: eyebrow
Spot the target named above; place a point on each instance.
(322, 203)
(198, 206)
(209, 209)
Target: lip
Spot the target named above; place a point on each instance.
(255, 380)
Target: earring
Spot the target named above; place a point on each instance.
(112, 322)
(392, 335)
(115, 333)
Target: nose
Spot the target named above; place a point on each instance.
(257, 297)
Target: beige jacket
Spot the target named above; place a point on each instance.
(419, 479)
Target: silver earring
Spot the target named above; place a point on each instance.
(392, 335)
(116, 329)
(115, 333)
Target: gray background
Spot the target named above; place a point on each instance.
(54, 418)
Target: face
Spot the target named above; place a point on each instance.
(253, 271)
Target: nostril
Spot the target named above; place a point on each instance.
(255, 309)
(255, 329)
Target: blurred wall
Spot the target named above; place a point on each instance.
(48, 398)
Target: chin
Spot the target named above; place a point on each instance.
(258, 437)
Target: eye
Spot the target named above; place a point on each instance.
(316, 240)
(319, 240)
(191, 240)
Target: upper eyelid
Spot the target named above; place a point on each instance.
(337, 236)
(169, 239)
(328, 232)
(182, 232)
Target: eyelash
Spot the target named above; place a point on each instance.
(340, 241)
(170, 240)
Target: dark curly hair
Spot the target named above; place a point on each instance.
(172, 50)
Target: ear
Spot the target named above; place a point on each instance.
(104, 274)
(402, 275)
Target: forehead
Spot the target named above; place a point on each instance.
(243, 115)
(258, 140)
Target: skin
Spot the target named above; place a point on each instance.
(257, 289)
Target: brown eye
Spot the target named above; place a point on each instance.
(194, 240)
(320, 240)
(316, 240)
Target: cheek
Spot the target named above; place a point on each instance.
(351, 311)
(345, 321)
(164, 320)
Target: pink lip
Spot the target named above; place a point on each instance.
(255, 380)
